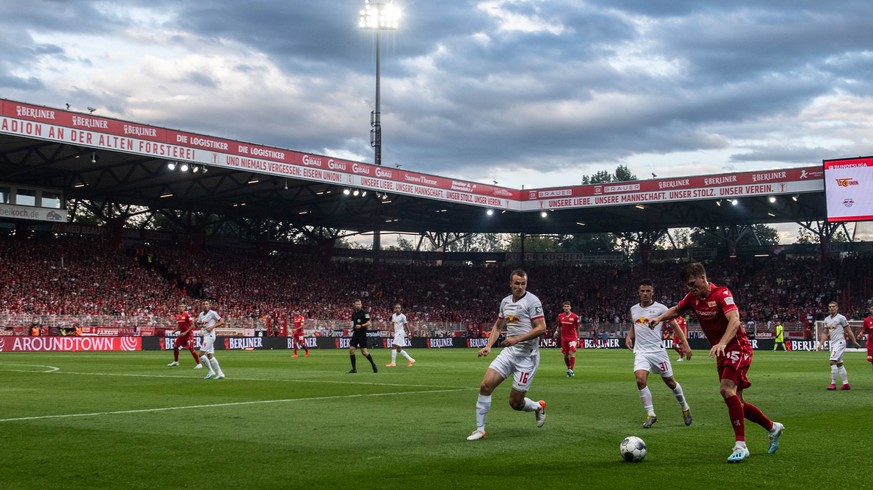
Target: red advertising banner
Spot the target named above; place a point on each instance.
(69, 344)
(62, 126)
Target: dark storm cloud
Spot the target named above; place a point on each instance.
(469, 86)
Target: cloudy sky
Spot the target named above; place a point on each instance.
(533, 93)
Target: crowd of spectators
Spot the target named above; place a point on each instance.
(82, 277)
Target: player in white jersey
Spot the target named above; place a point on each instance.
(401, 337)
(836, 330)
(208, 320)
(522, 314)
(649, 354)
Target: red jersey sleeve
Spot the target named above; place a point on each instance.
(725, 300)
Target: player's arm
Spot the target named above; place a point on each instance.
(495, 333)
(538, 328)
(733, 318)
(668, 315)
(677, 332)
(851, 335)
(558, 329)
(218, 323)
(631, 335)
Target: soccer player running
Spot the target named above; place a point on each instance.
(401, 334)
(185, 326)
(360, 323)
(720, 320)
(209, 320)
(297, 335)
(649, 353)
(867, 329)
(836, 330)
(522, 314)
(568, 329)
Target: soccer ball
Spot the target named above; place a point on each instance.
(632, 449)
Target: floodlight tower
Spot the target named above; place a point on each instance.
(378, 16)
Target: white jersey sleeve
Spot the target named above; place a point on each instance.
(647, 339)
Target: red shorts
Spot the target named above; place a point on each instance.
(298, 339)
(677, 346)
(182, 342)
(734, 365)
(566, 348)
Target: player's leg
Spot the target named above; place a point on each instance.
(394, 352)
(352, 358)
(494, 375)
(642, 367)
(206, 352)
(728, 387)
(676, 388)
(366, 354)
(176, 347)
(193, 354)
(294, 343)
(400, 348)
(214, 362)
(841, 369)
(525, 370)
(571, 358)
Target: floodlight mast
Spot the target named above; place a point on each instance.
(378, 16)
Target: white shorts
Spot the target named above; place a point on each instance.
(837, 350)
(399, 340)
(523, 368)
(207, 343)
(653, 362)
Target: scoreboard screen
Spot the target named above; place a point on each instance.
(849, 189)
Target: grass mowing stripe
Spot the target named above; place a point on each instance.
(231, 404)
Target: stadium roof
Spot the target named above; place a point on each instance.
(108, 160)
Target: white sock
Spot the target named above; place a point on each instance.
(405, 355)
(844, 374)
(680, 396)
(483, 406)
(530, 405)
(834, 371)
(204, 361)
(393, 356)
(646, 397)
(215, 366)
(740, 444)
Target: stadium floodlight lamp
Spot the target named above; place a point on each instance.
(195, 169)
(490, 212)
(794, 198)
(347, 191)
(734, 202)
(171, 165)
(205, 169)
(772, 199)
(378, 16)
(363, 193)
(718, 203)
(356, 192)
(184, 167)
(544, 214)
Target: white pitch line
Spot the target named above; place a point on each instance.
(50, 369)
(321, 381)
(216, 405)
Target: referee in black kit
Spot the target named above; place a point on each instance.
(360, 323)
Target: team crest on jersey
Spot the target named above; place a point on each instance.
(710, 304)
(642, 320)
(511, 318)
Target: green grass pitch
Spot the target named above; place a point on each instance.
(125, 420)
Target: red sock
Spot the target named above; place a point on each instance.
(194, 353)
(295, 348)
(175, 354)
(735, 412)
(755, 414)
(572, 363)
(306, 349)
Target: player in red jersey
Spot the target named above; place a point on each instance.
(568, 329)
(867, 329)
(297, 335)
(719, 319)
(185, 340)
(677, 339)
